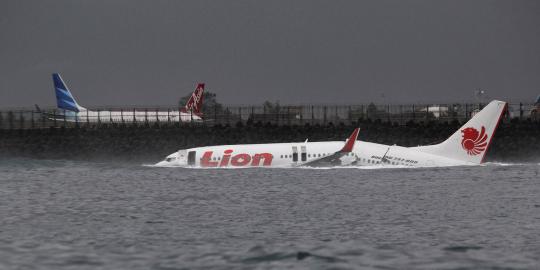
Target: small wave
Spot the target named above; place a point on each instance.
(504, 164)
(300, 255)
(461, 248)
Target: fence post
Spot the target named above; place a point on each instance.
(54, 117)
(21, 120)
(520, 111)
(64, 114)
(324, 117)
(401, 115)
(264, 114)
(367, 111)
(122, 115)
(301, 115)
(168, 115)
(215, 113)
(87, 119)
(288, 116)
(33, 125)
(350, 116)
(146, 116)
(427, 112)
(77, 119)
(240, 113)
(10, 119)
(134, 116)
(98, 118)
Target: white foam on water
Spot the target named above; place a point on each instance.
(503, 164)
(362, 167)
(369, 167)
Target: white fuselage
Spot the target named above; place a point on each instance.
(297, 154)
(124, 116)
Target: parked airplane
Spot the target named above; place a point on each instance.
(467, 146)
(71, 111)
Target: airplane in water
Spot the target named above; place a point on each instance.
(467, 146)
(71, 111)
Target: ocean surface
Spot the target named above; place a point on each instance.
(86, 215)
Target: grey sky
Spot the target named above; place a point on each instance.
(123, 52)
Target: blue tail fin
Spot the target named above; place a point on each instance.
(64, 99)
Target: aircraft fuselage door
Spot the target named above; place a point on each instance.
(191, 158)
(303, 153)
(295, 154)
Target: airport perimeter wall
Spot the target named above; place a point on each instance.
(32, 118)
(515, 141)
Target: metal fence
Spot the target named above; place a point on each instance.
(276, 114)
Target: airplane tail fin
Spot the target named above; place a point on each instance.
(194, 103)
(471, 142)
(349, 145)
(64, 98)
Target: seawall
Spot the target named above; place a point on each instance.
(515, 141)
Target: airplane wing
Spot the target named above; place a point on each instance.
(335, 158)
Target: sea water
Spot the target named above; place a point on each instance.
(58, 214)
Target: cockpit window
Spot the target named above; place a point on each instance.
(169, 159)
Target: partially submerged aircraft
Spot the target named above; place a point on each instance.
(467, 146)
(71, 111)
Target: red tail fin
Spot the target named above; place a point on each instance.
(194, 103)
(348, 147)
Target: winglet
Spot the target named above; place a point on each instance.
(348, 147)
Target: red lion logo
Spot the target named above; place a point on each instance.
(473, 142)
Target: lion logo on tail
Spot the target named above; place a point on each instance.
(474, 142)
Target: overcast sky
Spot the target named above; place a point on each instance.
(127, 52)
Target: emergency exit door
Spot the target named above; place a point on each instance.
(303, 153)
(191, 158)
